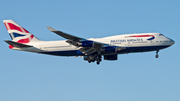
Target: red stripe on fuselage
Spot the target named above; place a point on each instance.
(27, 40)
(142, 36)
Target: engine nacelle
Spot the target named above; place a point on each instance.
(110, 57)
(109, 49)
(86, 43)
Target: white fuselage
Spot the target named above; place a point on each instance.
(132, 42)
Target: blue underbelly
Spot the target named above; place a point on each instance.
(127, 50)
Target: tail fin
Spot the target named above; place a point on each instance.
(18, 33)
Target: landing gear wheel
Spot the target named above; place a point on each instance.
(89, 61)
(157, 56)
(98, 62)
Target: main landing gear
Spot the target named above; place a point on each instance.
(98, 59)
(95, 58)
(157, 54)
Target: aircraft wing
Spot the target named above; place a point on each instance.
(65, 35)
(83, 43)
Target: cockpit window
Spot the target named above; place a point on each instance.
(161, 35)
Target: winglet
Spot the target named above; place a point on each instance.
(51, 29)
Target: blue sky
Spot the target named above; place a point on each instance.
(133, 77)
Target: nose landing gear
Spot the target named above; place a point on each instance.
(157, 54)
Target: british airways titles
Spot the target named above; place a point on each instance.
(126, 40)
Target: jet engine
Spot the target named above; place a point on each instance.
(86, 43)
(110, 57)
(109, 49)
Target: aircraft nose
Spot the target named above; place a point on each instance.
(172, 41)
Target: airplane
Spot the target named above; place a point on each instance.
(91, 49)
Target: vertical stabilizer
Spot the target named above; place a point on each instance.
(18, 33)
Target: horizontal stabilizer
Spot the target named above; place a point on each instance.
(15, 44)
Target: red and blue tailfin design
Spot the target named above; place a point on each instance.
(18, 33)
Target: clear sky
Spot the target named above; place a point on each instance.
(133, 77)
